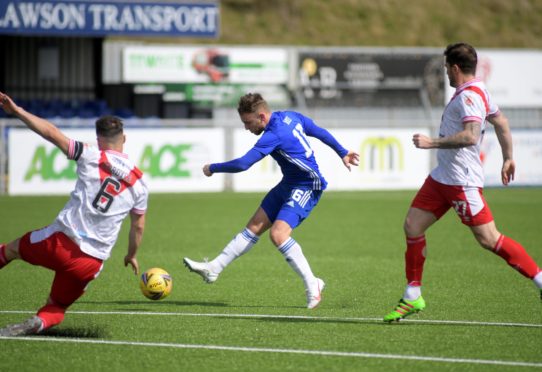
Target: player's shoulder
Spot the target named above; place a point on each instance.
(122, 160)
(287, 117)
(85, 146)
(81, 150)
(473, 95)
(477, 90)
(143, 183)
(137, 179)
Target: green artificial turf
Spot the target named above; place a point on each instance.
(353, 240)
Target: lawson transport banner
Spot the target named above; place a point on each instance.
(101, 18)
(172, 160)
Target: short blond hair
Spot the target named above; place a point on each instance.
(251, 103)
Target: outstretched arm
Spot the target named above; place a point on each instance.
(313, 130)
(348, 157)
(467, 137)
(41, 126)
(502, 129)
(137, 226)
(235, 165)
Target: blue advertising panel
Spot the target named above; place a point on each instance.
(101, 18)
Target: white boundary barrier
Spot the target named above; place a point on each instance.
(172, 154)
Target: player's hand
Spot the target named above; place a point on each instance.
(7, 104)
(207, 170)
(422, 142)
(352, 158)
(507, 172)
(132, 261)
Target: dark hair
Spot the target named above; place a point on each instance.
(463, 55)
(108, 126)
(250, 103)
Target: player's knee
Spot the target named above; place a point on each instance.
(487, 241)
(256, 229)
(12, 250)
(274, 238)
(277, 237)
(411, 228)
(484, 243)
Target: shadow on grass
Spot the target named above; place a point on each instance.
(156, 303)
(190, 303)
(267, 307)
(76, 332)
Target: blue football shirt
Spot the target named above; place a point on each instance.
(285, 139)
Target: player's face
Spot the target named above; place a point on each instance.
(254, 122)
(451, 75)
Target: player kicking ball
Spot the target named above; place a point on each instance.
(288, 203)
(458, 179)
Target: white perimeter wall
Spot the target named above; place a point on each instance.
(172, 159)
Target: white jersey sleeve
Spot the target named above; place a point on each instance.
(109, 186)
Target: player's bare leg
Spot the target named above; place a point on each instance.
(9, 252)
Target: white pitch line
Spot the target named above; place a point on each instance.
(272, 316)
(282, 351)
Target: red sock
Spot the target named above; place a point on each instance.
(516, 256)
(51, 315)
(3, 259)
(414, 259)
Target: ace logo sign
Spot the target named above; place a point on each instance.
(166, 161)
(171, 160)
(49, 164)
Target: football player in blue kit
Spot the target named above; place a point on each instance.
(284, 137)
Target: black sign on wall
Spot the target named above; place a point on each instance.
(371, 79)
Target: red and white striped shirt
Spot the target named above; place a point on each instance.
(109, 186)
(462, 166)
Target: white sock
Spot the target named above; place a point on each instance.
(412, 292)
(238, 246)
(538, 280)
(294, 256)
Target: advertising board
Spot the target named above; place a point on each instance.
(171, 160)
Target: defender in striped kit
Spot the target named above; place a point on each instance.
(284, 137)
(109, 188)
